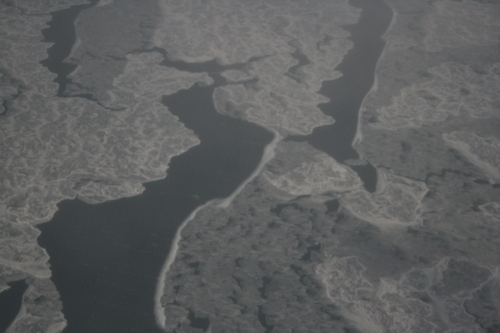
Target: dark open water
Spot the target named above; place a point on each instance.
(10, 303)
(61, 32)
(105, 258)
(347, 93)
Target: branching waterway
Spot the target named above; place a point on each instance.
(347, 93)
(106, 258)
(61, 32)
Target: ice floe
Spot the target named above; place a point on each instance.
(232, 31)
(318, 175)
(397, 201)
(275, 101)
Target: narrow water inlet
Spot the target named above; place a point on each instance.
(61, 32)
(348, 92)
(106, 258)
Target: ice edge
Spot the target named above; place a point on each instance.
(268, 154)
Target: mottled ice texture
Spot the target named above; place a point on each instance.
(397, 201)
(485, 303)
(432, 117)
(454, 24)
(451, 90)
(257, 279)
(482, 152)
(42, 7)
(144, 82)
(318, 175)
(428, 299)
(418, 255)
(280, 93)
(232, 31)
(106, 34)
(235, 76)
(56, 148)
(41, 309)
(275, 100)
(300, 262)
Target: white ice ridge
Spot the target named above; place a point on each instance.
(268, 155)
(425, 299)
(67, 147)
(452, 88)
(319, 175)
(358, 137)
(397, 201)
(482, 152)
(159, 310)
(31, 319)
(160, 285)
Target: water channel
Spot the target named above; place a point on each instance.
(106, 258)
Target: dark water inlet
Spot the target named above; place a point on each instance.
(346, 93)
(106, 258)
(61, 32)
(10, 303)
